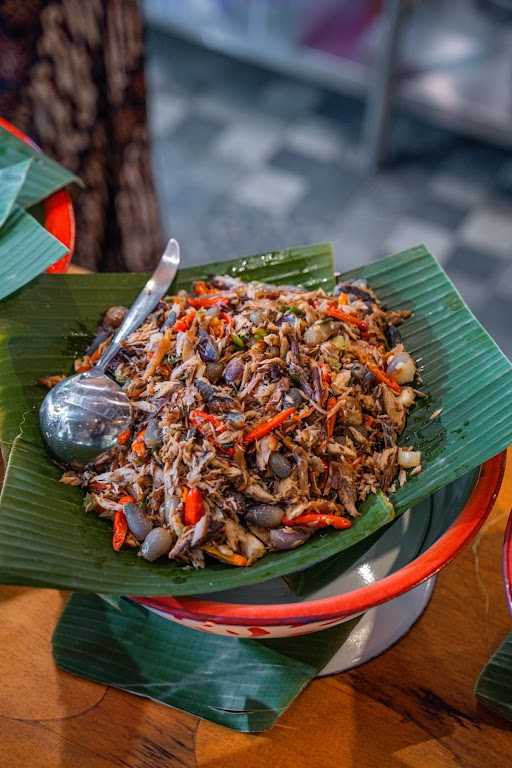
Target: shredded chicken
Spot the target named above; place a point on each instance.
(260, 413)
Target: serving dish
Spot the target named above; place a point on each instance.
(411, 551)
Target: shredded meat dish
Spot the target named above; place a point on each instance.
(260, 414)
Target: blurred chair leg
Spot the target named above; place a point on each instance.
(382, 81)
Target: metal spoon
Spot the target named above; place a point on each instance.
(84, 415)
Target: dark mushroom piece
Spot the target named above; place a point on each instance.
(138, 522)
(207, 348)
(293, 398)
(280, 465)
(393, 336)
(265, 515)
(288, 538)
(157, 543)
(233, 371)
(153, 434)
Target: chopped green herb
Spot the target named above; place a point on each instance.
(293, 311)
(237, 341)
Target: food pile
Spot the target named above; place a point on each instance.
(261, 414)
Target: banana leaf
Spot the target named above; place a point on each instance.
(12, 179)
(130, 648)
(44, 175)
(47, 540)
(494, 686)
(26, 250)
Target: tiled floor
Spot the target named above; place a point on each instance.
(246, 160)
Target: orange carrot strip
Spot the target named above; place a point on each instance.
(268, 426)
(381, 376)
(239, 560)
(347, 317)
(318, 520)
(342, 299)
(120, 531)
(194, 507)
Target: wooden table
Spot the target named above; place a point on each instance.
(413, 707)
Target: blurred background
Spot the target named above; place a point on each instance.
(377, 125)
(244, 125)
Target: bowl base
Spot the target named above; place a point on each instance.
(380, 628)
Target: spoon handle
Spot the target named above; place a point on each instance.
(146, 301)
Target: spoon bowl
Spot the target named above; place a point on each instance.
(84, 415)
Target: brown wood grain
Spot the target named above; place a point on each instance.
(413, 707)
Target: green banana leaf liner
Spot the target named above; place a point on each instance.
(243, 684)
(47, 540)
(494, 686)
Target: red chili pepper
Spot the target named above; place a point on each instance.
(203, 302)
(326, 374)
(228, 450)
(138, 445)
(126, 500)
(331, 420)
(268, 426)
(381, 376)
(194, 508)
(184, 323)
(226, 317)
(198, 417)
(120, 531)
(201, 288)
(124, 437)
(369, 420)
(318, 520)
(347, 317)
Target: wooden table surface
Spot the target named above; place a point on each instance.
(412, 707)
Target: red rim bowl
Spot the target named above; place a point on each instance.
(59, 218)
(360, 600)
(507, 563)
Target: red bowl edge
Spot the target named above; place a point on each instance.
(472, 517)
(59, 217)
(507, 563)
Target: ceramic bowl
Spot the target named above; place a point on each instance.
(413, 549)
(58, 216)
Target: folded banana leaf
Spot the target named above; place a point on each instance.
(47, 540)
(27, 177)
(12, 179)
(494, 686)
(130, 648)
(44, 175)
(26, 250)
